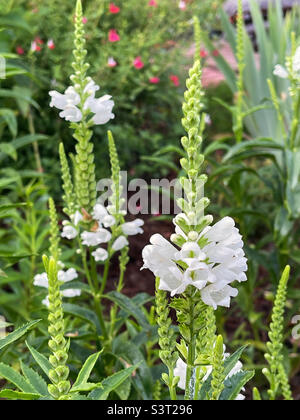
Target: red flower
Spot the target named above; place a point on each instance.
(215, 53)
(154, 80)
(39, 41)
(113, 36)
(175, 80)
(51, 44)
(114, 9)
(203, 53)
(20, 50)
(152, 3)
(138, 64)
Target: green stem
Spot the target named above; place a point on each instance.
(191, 354)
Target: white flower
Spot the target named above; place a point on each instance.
(181, 367)
(46, 301)
(71, 113)
(215, 295)
(100, 254)
(67, 102)
(69, 232)
(109, 221)
(296, 61)
(102, 108)
(120, 243)
(280, 71)
(41, 280)
(133, 228)
(70, 293)
(66, 276)
(95, 238)
(159, 257)
(77, 218)
(213, 261)
(99, 212)
(60, 101)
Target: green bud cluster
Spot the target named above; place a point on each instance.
(193, 122)
(85, 166)
(69, 194)
(276, 374)
(54, 232)
(60, 387)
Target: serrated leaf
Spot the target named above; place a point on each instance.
(111, 383)
(17, 334)
(235, 384)
(15, 378)
(85, 371)
(35, 380)
(41, 360)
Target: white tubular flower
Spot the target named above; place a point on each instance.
(91, 88)
(213, 261)
(71, 113)
(181, 367)
(99, 212)
(69, 232)
(95, 238)
(159, 258)
(109, 221)
(66, 276)
(100, 254)
(77, 218)
(133, 228)
(280, 71)
(60, 101)
(215, 295)
(46, 301)
(120, 243)
(102, 108)
(70, 293)
(41, 280)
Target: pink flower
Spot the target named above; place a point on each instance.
(152, 3)
(175, 80)
(203, 53)
(112, 62)
(35, 47)
(114, 9)
(20, 50)
(84, 20)
(215, 53)
(51, 44)
(138, 64)
(154, 80)
(113, 36)
(182, 5)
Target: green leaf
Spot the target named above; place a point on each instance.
(82, 313)
(9, 394)
(85, 372)
(10, 119)
(41, 360)
(111, 383)
(9, 150)
(234, 385)
(15, 378)
(17, 334)
(35, 380)
(128, 306)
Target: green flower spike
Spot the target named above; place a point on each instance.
(60, 387)
(69, 194)
(85, 166)
(218, 376)
(54, 232)
(276, 373)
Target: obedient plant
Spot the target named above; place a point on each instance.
(198, 268)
